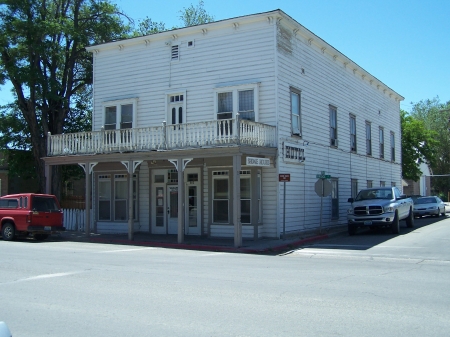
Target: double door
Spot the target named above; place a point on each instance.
(165, 205)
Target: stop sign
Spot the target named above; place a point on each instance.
(322, 188)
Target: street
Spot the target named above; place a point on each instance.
(371, 284)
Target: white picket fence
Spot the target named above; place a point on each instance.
(75, 219)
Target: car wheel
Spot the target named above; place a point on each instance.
(352, 229)
(410, 219)
(8, 231)
(40, 237)
(443, 212)
(395, 226)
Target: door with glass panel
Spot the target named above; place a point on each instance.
(172, 209)
(176, 116)
(159, 206)
(192, 208)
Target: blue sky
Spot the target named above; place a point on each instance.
(403, 43)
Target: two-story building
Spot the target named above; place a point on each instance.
(192, 128)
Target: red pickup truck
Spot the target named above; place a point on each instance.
(27, 213)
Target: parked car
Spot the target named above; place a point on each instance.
(26, 214)
(380, 207)
(4, 331)
(414, 197)
(429, 206)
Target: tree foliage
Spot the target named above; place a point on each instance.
(436, 116)
(190, 16)
(418, 146)
(42, 53)
(197, 15)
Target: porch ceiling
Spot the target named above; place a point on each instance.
(164, 155)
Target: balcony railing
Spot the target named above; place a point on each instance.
(166, 137)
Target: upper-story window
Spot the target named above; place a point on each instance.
(296, 121)
(119, 114)
(333, 126)
(368, 138)
(352, 133)
(392, 146)
(381, 143)
(242, 99)
(176, 108)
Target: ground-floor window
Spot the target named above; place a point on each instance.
(246, 195)
(113, 197)
(221, 196)
(334, 199)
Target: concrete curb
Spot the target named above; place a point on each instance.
(201, 247)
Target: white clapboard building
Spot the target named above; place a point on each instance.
(193, 127)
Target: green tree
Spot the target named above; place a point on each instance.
(418, 146)
(197, 15)
(190, 16)
(42, 53)
(435, 116)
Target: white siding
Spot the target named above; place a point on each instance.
(323, 82)
(218, 58)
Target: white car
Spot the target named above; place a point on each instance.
(429, 206)
(4, 331)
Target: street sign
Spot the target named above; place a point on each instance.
(284, 177)
(322, 175)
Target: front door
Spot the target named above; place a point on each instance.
(172, 209)
(192, 210)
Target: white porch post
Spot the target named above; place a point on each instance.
(88, 168)
(237, 201)
(87, 226)
(130, 202)
(180, 167)
(131, 168)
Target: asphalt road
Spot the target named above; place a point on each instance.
(371, 284)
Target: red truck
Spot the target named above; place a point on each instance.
(27, 214)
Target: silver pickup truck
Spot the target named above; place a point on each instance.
(380, 207)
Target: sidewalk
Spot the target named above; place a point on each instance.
(261, 246)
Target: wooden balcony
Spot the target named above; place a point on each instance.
(215, 133)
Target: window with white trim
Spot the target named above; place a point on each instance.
(381, 130)
(115, 188)
(333, 126)
(246, 197)
(352, 133)
(382, 183)
(176, 108)
(242, 99)
(221, 197)
(392, 146)
(368, 138)
(296, 125)
(104, 197)
(119, 114)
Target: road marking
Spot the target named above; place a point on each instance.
(126, 250)
(44, 276)
(213, 254)
(361, 246)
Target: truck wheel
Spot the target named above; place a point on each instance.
(40, 237)
(352, 229)
(395, 226)
(410, 219)
(8, 231)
